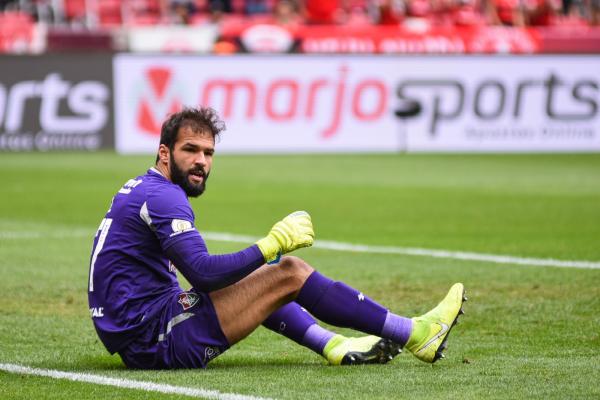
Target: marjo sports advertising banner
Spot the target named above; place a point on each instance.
(366, 104)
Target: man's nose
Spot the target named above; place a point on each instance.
(200, 159)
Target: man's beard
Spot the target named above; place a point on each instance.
(181, 178)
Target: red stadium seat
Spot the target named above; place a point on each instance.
(109, 13)
(16, 31)
(143, 12)
(74, 9)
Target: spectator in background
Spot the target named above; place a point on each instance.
(419, 8)
(567, 6)
(506, 12)
(465, 13)
(541, 12)
(420, 14)
(287, 13)
(323, 12)
(252, 7)
(182, 11)
(222, 6)
(595, 12)
(39, 10)
(355, 13)
(216, 10)
(388, 12)
(578, 12)
(8, 5)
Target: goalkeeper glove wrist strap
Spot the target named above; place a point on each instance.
(270, 249)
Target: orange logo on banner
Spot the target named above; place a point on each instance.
(147, 119)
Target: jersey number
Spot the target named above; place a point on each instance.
(103, 229)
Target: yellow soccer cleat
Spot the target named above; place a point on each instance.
(431, 330)
(341, 350)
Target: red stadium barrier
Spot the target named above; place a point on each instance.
(393, 40)
(433, 40)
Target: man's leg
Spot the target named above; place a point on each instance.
(245, 305)
(266, 295)
(295, 323)
(338, 304)
(341, 305)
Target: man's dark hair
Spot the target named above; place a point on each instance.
(200, 120)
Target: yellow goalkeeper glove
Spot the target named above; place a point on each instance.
(291, 233)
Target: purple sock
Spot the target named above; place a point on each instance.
(295, 323)
(397, 328)
(316, 338)
(338, 304)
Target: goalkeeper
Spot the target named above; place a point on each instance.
(140, 311)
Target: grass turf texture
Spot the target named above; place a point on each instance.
(528, 332)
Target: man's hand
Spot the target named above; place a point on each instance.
(291, 233)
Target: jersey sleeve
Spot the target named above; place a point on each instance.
(168, 213)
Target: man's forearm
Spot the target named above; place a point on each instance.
(208, 272)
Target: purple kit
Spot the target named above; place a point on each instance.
(135, 300)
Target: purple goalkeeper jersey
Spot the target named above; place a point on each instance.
(147, 233)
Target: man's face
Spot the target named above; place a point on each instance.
(190, 160)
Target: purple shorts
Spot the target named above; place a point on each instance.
(186, 335)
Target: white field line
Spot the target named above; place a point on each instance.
(126, 383)
(50, 234)
(349, 247)
(415, 251)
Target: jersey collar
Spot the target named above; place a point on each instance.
(152, 169)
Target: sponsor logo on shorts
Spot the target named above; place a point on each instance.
(210, 353)
(188, 300)
(172, 267)
(97, 312)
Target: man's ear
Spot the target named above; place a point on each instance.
(163, 154)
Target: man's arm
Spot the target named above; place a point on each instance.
(211, 272)
(168, 214)
(208, 272)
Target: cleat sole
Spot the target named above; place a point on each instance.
(383, 352)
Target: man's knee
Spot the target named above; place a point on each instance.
(298, 269)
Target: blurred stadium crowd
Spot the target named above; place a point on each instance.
(115, 13)
(308, 26)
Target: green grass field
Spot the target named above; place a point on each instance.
(529, 332)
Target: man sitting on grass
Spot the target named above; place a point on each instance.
(140, 311)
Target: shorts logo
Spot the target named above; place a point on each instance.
(210, 353)
(188, 300)
(97, 312)
(172, 267)
(180, 226)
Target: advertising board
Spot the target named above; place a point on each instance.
(367, 104)
(56, 103)
(172, 39)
